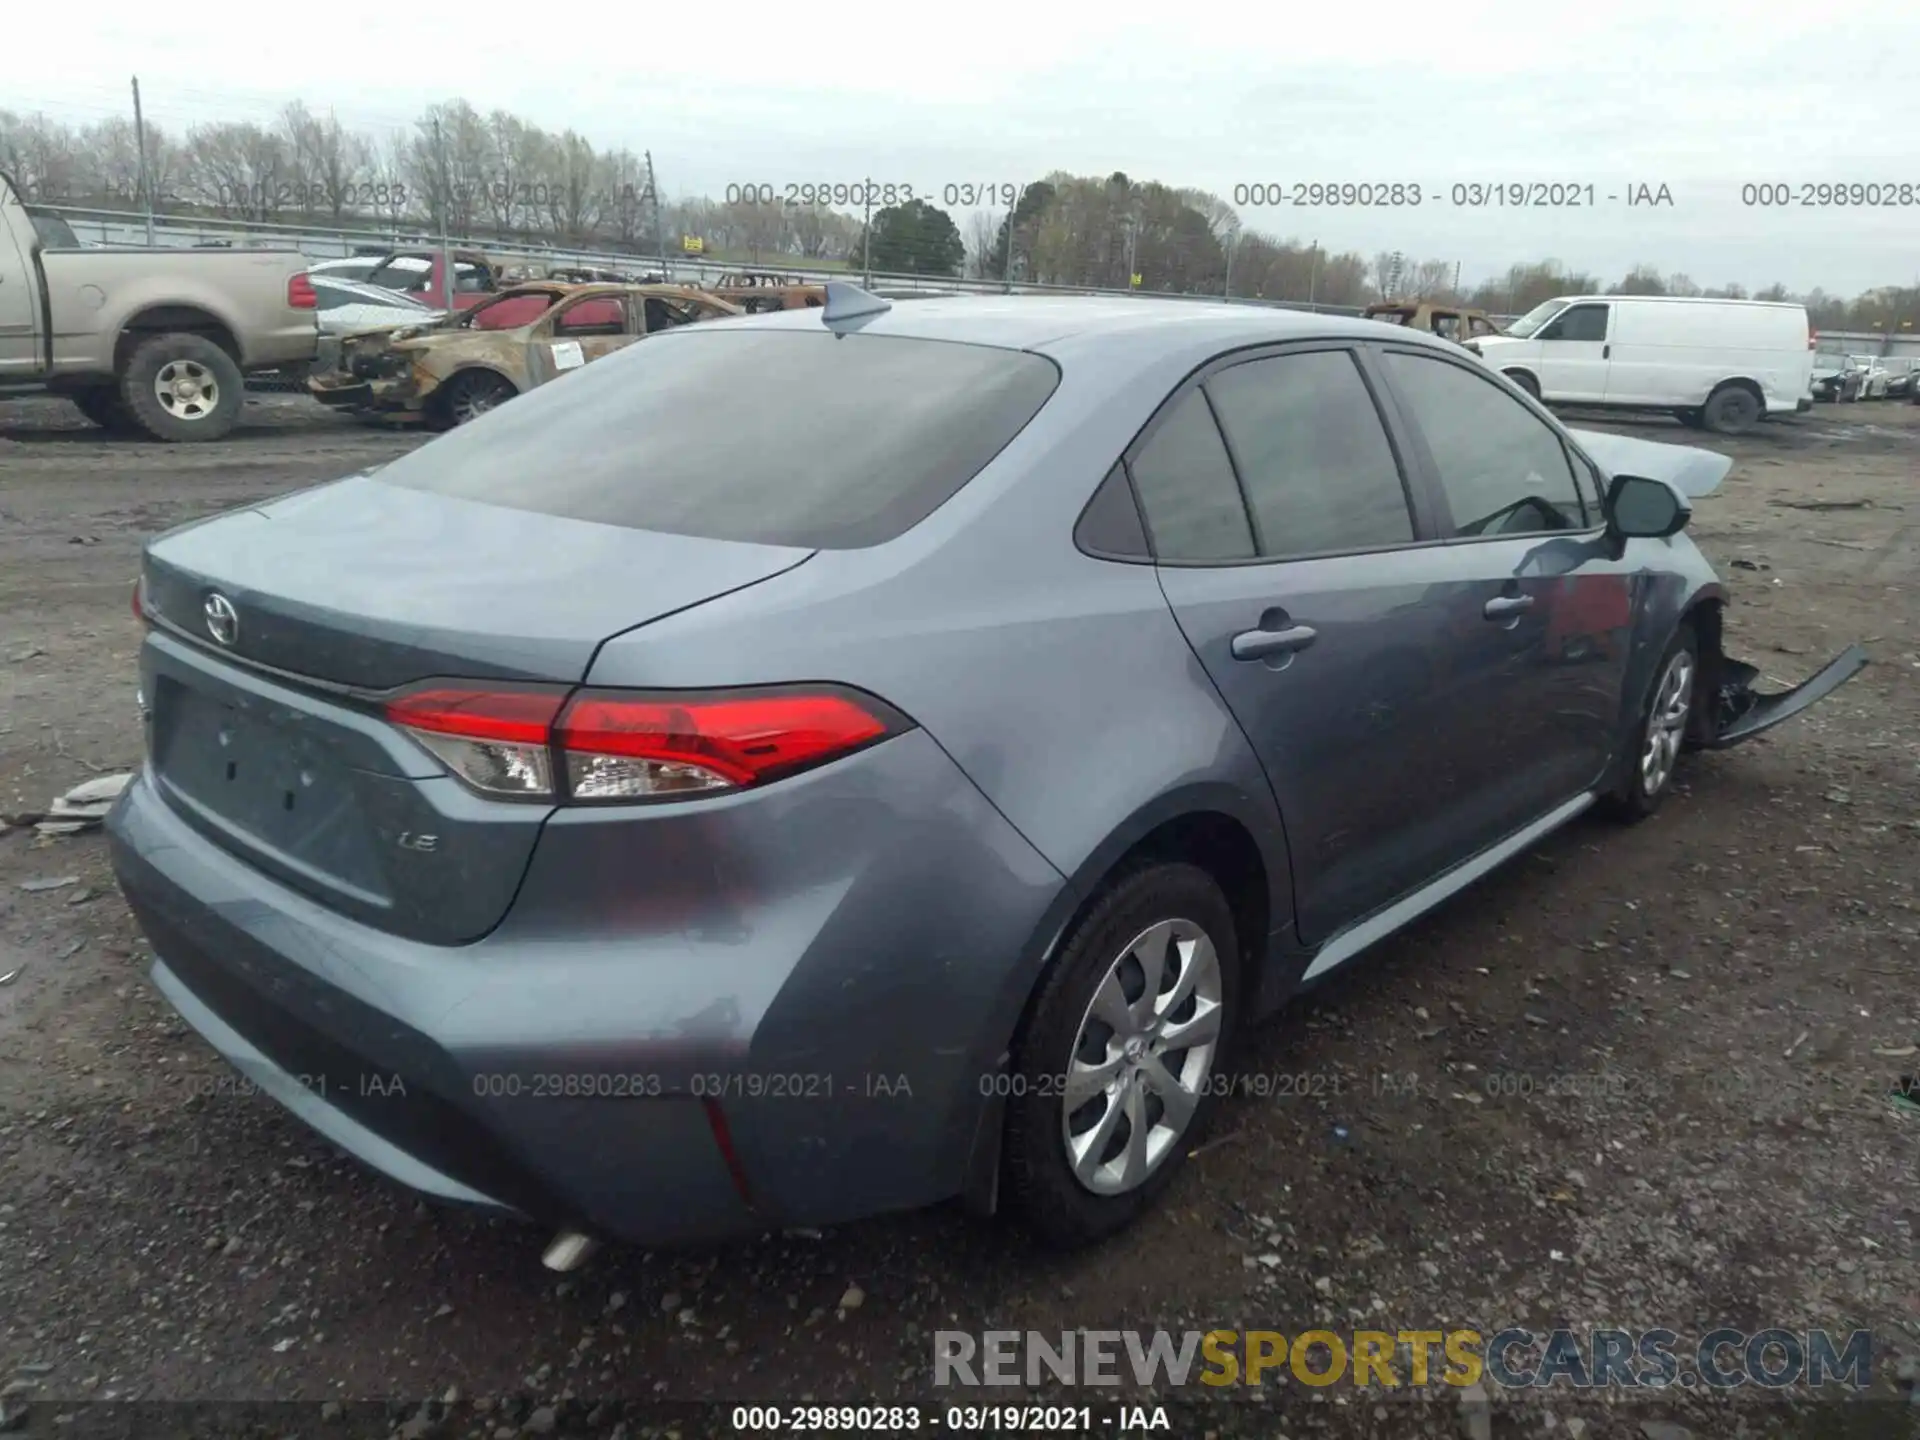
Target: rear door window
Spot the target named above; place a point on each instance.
(1312, 454)
(840, 441)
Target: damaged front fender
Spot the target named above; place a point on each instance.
(1740, 712)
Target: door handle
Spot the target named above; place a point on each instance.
(1606, 352)
(1259, 644)
(1505, 607)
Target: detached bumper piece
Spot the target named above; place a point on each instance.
(1741, 712)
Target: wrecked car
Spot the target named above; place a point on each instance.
(446, 372)
(758, 293)
(1012, 702)
(1449, 322)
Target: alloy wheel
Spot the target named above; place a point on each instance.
(1667, 724)
(1142, 1057)
(186, 389)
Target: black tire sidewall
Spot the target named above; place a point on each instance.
(143, 406)
(1041, 1186)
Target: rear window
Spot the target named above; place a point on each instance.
(781, 437)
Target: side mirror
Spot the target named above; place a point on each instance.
(1638, 508)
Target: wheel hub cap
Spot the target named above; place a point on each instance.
(1142, 1057)
(186, 389)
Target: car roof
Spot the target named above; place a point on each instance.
(1677, 300)
(1116, 325)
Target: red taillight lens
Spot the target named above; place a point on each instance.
(301, 294)
(622, 747)
(616, 745)
(140, 599)
(495, 740)
(1813, 337)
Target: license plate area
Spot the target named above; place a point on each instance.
(260, 780)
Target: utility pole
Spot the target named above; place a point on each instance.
(140, 143)
(653, 194)
(446, 214)
(1456, 277)
(866, 234)
(1226, 290)
(1313, 271)
(1006, 274)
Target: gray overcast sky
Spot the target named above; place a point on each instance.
(1701, 100)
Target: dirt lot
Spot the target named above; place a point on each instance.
(1734, 969)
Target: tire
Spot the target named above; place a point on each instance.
(203, 388)
(1525, 381)
(102, 405)
(469, 395)
(1732, 410)
(1138, 914)
(1640, 792)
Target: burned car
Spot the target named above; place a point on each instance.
(757, 293)
(445, 373)
(1449, 322)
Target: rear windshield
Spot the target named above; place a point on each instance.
(782, 437)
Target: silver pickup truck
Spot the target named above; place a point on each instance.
(152, 342)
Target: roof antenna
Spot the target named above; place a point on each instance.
(850, 302)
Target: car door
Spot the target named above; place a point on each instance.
(1574, 353)
(579, 332)
(1302, 570)
(1544, 605)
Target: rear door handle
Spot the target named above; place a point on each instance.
(1259, 644)
(1606, 352)
(1505, 607)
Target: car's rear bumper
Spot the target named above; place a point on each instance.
(825, 1005)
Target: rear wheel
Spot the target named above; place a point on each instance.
(1114, 1068)
(1525, 381)
(1654, 747)
(1731, 410)
(181, 387)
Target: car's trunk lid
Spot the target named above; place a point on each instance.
(370, 585)
(272, 742)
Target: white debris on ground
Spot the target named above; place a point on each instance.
(81, 808)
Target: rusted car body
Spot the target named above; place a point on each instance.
(447, 372)
(1449, 322)
(756, 292)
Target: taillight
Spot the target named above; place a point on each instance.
(301, 294)
(611, 745)
(495, 740)
(140, 599)
(1813, 337)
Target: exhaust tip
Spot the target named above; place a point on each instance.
(569, 1250)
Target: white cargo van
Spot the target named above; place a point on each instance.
(1719, 363)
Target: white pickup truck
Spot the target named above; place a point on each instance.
(145, 341)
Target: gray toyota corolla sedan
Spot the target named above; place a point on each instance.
(828, 762)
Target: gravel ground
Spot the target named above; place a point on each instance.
(1638, 1078)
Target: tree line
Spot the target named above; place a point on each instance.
(497, 176)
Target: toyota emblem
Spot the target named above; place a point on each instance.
(223, 621)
